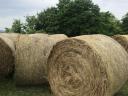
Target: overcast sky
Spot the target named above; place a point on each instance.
(17, 9)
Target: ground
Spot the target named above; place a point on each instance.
(123, 91)
(8, 88)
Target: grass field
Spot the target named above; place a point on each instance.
(123, 91)
(8, 88)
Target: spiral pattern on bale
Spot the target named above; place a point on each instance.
(89, 65)
(6, 57)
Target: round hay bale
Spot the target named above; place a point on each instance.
(123, 40)
(58, 37)
(89, 65)
(38, 35)
(11, 36)
(32, 52)
(7, 50)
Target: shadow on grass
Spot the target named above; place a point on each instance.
(123, 91)
(8, 88)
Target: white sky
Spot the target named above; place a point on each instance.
(17, 9)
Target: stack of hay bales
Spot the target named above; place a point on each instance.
(89, 65)
(32, 52)
(7, 50)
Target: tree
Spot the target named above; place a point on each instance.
(73, 18)
(125, 24)
(70, 17)
(17, 26)
(47, 20)
(78, 17)
(109, 25)
(31, 24)
(63, 3)
(7, 30)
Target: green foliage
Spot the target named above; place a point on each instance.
(17, 26)
(73, 18)
(7, 30)
(70, 17)
(125, 24)
(47, 20)
(78, 17)
(30, 25)
(109, 25)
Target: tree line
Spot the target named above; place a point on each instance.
(73, 18)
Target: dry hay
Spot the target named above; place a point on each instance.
(89, 65)
(7, 50)
(123, 40)
(11, 36)
(32, 52)
(57, 37)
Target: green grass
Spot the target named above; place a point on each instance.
(8, 88)
(123, 91)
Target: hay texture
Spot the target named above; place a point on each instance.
(7, 50)
(11, 36)
(57, 37)
(32, 52)
(89, 65)
(123, 40)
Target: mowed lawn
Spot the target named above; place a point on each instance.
(8, 88)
